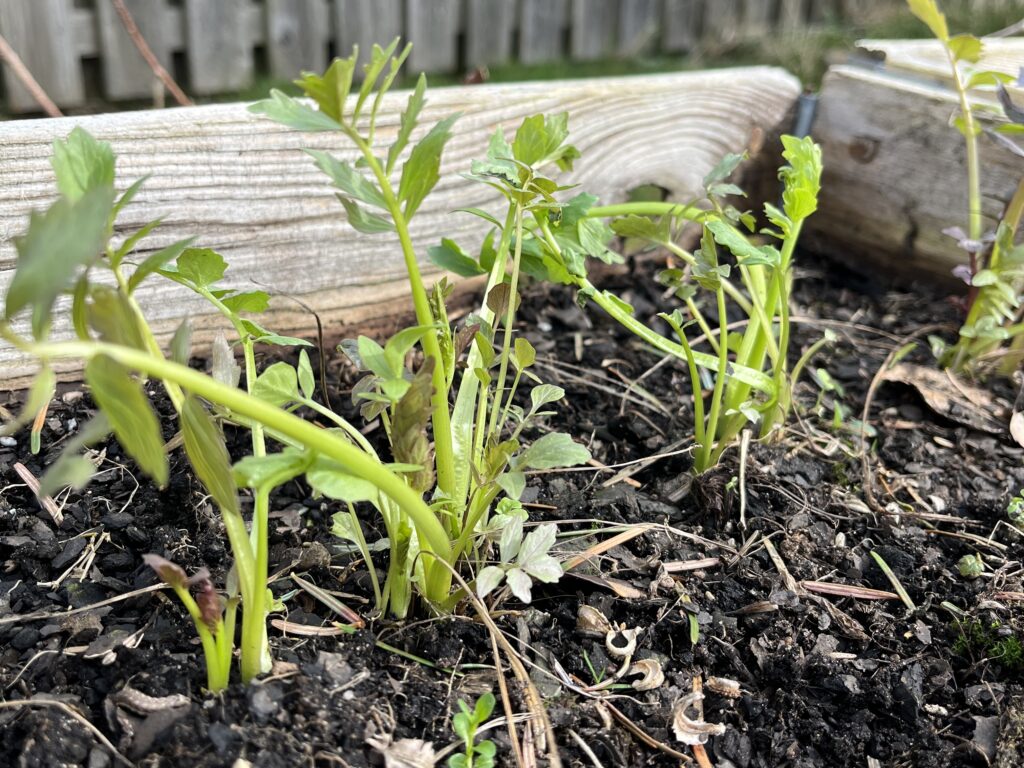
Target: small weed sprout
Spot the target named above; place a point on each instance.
(1015, 510)
(971, 566)
(466, 722)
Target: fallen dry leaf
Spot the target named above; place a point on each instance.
(950, 397)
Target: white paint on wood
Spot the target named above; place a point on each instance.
(242, 185)
(42, 32)
(895, 174)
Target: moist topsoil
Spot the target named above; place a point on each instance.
(817, 679)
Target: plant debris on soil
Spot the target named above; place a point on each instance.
(808, 653)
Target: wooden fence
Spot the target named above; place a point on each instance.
(80, 53)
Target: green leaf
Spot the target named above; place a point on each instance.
(802, 177)
(293, 113)
(348, 179)
(256, 471)
(134, 239)
(449, 256)
(965, 48)
(307, 381)
(81, 164)
(334, 482)
(523, 353)
(539, 139)
(67, 236)
(423, 168)
(223, 366)
(512, 483)
(181, 343)
(409, 441)
(488, 579)
(372, 357)
(253, 302)
(543, 394)
(642, 227)
(204, 445)
(361, 221)
(986, 78)
(277, 385)
(156, 261)
(727, 235)
(111, 314)
(131, 416)
(551, 451)
(200, 267)
(371, 71)
(407, 122)
(73, 469)
(725, 168)
(483, 709)
(928, 12)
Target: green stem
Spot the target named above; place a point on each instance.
(716, 397)
(216, 673)
(510, 314)
(432, 534)
(441, 417)
(688, 212)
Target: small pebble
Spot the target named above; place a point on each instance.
(8, 442)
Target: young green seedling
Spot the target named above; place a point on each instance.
(466, 722)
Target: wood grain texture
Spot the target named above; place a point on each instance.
(42, 32)
(490, 25)
(541, 25)
(895, 174)
(218, 45)
(296, 36)
(927, 57)
(242, 185)
(125, 73)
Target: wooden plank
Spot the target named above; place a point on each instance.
(218, 45)
(721, 21)
(928, 58)
(593, 29)
(365, 22)
(296, 36)
(639, 26)
(541, 30)
(42, 34)
(433, 29)
(489, 29)
(125, 73)
(682, 25)
(243, 186)
(792, 15)
(895, 174)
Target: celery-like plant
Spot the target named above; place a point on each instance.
(478, 453)
(750, 371)
(995, 273)
(469, 405)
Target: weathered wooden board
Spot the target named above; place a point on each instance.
(296, 35)
(365, 22)
(682, 25)
(219, 45)
(895, 174)
(433, 29)
(490, 25)
(125, 73)
(639, 26)
(593, 29)
(541, 27)
(242, 185)
(43, 35)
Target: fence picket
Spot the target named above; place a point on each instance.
(593, 29)
(639, 26)
(721, 21)
(365, 22)
(125, 73)
(541, 30)
(489, 28)
(682, 25)
(757, 18)
(42, 33)
(218, 45)
(296, 33)
(433, 29)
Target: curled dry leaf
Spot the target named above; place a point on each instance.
(621, 642)
(1017, 427)
(408, 753)
(689, 731)
(652, 675)
(950, 397)
(590, 621)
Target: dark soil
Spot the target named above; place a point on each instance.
(823, 680)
